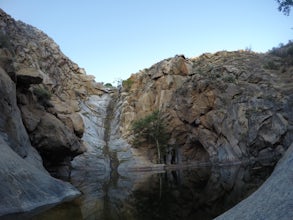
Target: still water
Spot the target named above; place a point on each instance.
(198, 193)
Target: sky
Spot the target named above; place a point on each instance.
(111, 39)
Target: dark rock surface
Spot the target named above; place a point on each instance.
(50, 88)
(25, 187)
(28, 76)
(25, 184)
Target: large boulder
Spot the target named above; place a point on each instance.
(273, 200)
(51, 135)
(56, 143)
(77, 123)
(27, 76)
(25, 187)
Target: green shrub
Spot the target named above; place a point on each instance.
(290, 50)
(271, 65)
(151, 131)
(5, 41)
(126, 84)
(229, 79)
(285, 52)
(43, 96)
(108, 85)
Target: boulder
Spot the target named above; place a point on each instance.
(65, 107)
(27, 76)
(78, 124)
(53, 139)
(273, 200)
(31, 117)
(25, 187)
(174, 66)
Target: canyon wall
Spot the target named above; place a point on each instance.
(40, 126)
(227, 106)
(25, 184)
(222, 107)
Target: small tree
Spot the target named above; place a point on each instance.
(108, 85)
(151, 130)
(126, 84)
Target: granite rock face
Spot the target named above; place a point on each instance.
(273, 200)
(25, 184)
(39, 123)
(49, 89)
(222, 107)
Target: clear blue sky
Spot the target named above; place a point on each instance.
(113, 38)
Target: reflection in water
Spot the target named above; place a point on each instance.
(200, 193)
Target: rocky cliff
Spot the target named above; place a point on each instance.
(25, 184)
(50, 88)
(222, 107)
(227, 106)
(40, 124)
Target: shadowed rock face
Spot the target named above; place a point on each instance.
(10, 116)
(28, 76)
(25, 184)
(35, 112)
(49, 88)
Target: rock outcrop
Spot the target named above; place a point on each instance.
(25, 184)
(41, 90)
(222, 107)
(219, 108)
(50, 88)
(273, 200)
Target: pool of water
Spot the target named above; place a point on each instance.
(197, 193)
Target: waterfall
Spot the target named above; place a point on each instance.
(106, 150)
(94, 114)
(108, 126)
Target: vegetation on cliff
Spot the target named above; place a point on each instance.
(43, 96)
(285, 52)
(151, 131)
(226, 106)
